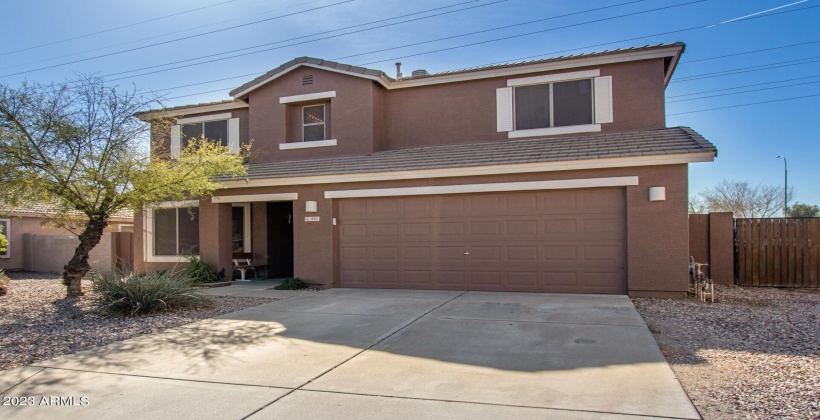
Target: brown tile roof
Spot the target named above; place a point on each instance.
(554, 59)
(676, 140)
(183, 107)
(51, 209)
(378, 73)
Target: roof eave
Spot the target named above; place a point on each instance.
(150, 115)
(516, 168)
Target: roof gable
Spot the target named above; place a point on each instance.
(371, 74)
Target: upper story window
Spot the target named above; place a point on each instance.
(308, 119)
(557, 104)
(216, 131)
(313, 123)
(220, 128)
(5, 230)
(576, 102)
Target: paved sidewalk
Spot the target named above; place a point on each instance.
(362, 353)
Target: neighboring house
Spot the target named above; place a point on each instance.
(555, 175)
(37, 244)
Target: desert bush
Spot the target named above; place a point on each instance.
(5, 283)
(130, 294)
(292, 284)
(200, 272)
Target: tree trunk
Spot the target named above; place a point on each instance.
(78, 266)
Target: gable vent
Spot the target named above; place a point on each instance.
(307, 80)
(420, 73)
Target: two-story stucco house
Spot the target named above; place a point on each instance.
(555, 175)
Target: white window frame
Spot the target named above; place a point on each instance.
(323, 123)
(246, 234)
(7, 233)
(233, 131)
(552, 129)
(148, 229)
(506, 119)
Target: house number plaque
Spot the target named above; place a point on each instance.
(312, 219)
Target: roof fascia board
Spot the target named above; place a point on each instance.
(619, 162)
(191, 110)
(539, 67)
(673, 51)
(559, 184)
(380, 80)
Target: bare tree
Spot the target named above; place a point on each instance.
(743, 199)
(697, 206)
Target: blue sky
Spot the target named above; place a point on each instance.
(51, 33)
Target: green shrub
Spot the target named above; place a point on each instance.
(5, 283)
(4, 243)
(131, 295)
(200, 272)
(292, 284)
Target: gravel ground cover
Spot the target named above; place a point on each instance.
(38, 322)
(754, 354)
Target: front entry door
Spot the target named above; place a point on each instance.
(280, 239)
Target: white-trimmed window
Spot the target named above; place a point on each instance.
(220, 128)
(5, 229)
(565, 103)
(241, 227)
(313, 123)
(309, 122)
(172, 232)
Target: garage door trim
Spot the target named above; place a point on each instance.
(621, 181)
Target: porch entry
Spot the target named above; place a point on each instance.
(280, 239)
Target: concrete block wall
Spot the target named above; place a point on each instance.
(50, 253)
(711, 240)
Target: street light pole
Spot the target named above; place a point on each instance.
(785, 182)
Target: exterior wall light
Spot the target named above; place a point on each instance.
(657, 193)
(311, 207)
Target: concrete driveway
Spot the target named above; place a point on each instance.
(361, 353)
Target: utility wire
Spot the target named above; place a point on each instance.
(575, 49)
(743, 91)
(741, 87)
(308, 36)
(179, 39)
(749, 52)
(531, 57)
(333, 36)
(118, 27)
(742, 105)
(56, 57)
(492, 29)
(538, 32)
(770, 66)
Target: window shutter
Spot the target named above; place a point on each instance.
(233, 136)
(175, 131)
(504, 108)
(603, 99)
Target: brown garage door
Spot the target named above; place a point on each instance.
(546, 241)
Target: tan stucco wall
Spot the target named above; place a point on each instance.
(35, 246)
(366, 118)
(351, 112)
(657, 232)
(465, 112)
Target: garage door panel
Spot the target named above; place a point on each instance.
(354, 253)
(382, 253)
(450, 279)
(549, 241)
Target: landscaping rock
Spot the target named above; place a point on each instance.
(38, 322)
(755, 354)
